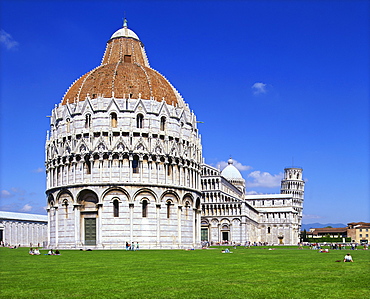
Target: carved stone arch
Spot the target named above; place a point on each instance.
(225, 220)
(173, 194)
(215, 221)
(82, 147)
(236, 221)
(205, 222)
(158, 148)
(51, 200)
(145, 192)
(116, 192)
(198, 204)
(88, 200)
(64, 194)
(67, 149)
(120, 146)
(140, 146)
(188, 197)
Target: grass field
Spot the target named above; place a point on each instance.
(285, 272)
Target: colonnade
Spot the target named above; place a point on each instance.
(117, 168)
(221, 209)
(24, 233)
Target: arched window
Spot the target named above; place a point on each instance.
(65, 204)
(135, 164)
(144, 208)
(115, 208)
(269, 230)
(87, 121)
(187, 207)
(168, 204)
(113, 120)
(163, 123)
(68, 124)
(139, 121)
(88, 164)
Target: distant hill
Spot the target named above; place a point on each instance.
(320, 225)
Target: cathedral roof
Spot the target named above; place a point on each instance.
(123, 73)
(230, 171)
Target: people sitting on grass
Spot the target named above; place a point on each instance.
(36, 251)
(324, 250)
(30, 252)
(227, 250)
(51, 252)
(57, 252)
(348, 258)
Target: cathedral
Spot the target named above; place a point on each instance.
(124, 164)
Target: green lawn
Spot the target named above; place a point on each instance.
(285, 272)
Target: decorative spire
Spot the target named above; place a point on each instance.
(124, 23)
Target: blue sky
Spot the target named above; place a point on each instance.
(276, 83)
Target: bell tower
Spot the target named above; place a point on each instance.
(293, 183)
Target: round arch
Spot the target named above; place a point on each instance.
(188, 197)
(173, 195)
(116, 190)
(145, 192)
(63, 194)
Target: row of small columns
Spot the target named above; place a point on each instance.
(221, 209)
(53, 179)
(210, 184)
(216, 197)
(24, 233)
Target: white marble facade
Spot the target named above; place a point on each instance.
(124, 164)
(231, 216)
(23, 229)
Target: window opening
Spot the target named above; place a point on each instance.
(88, 121)
(115, 208)
(113, 120)
(145, 208)
(127, 58)
(163, 123)
(168, 204)
(135, 165)
(139, 121)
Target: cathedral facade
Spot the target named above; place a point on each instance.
(124, 164)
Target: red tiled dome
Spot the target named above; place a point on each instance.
(124, 73)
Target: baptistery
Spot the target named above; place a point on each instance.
(123, 157)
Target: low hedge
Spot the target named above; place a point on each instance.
(328, 240)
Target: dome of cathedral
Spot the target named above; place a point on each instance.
(123, 73)
(230, 171)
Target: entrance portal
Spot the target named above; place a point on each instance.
(204, 234)
(90, 231)
(225, 236)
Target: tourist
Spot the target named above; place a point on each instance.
(137, 245)
(127, 246)
(51, 252)
(36, 251)
(31, 251)
(348, 258)
(57, 252)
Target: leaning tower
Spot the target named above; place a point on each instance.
(293, 183)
